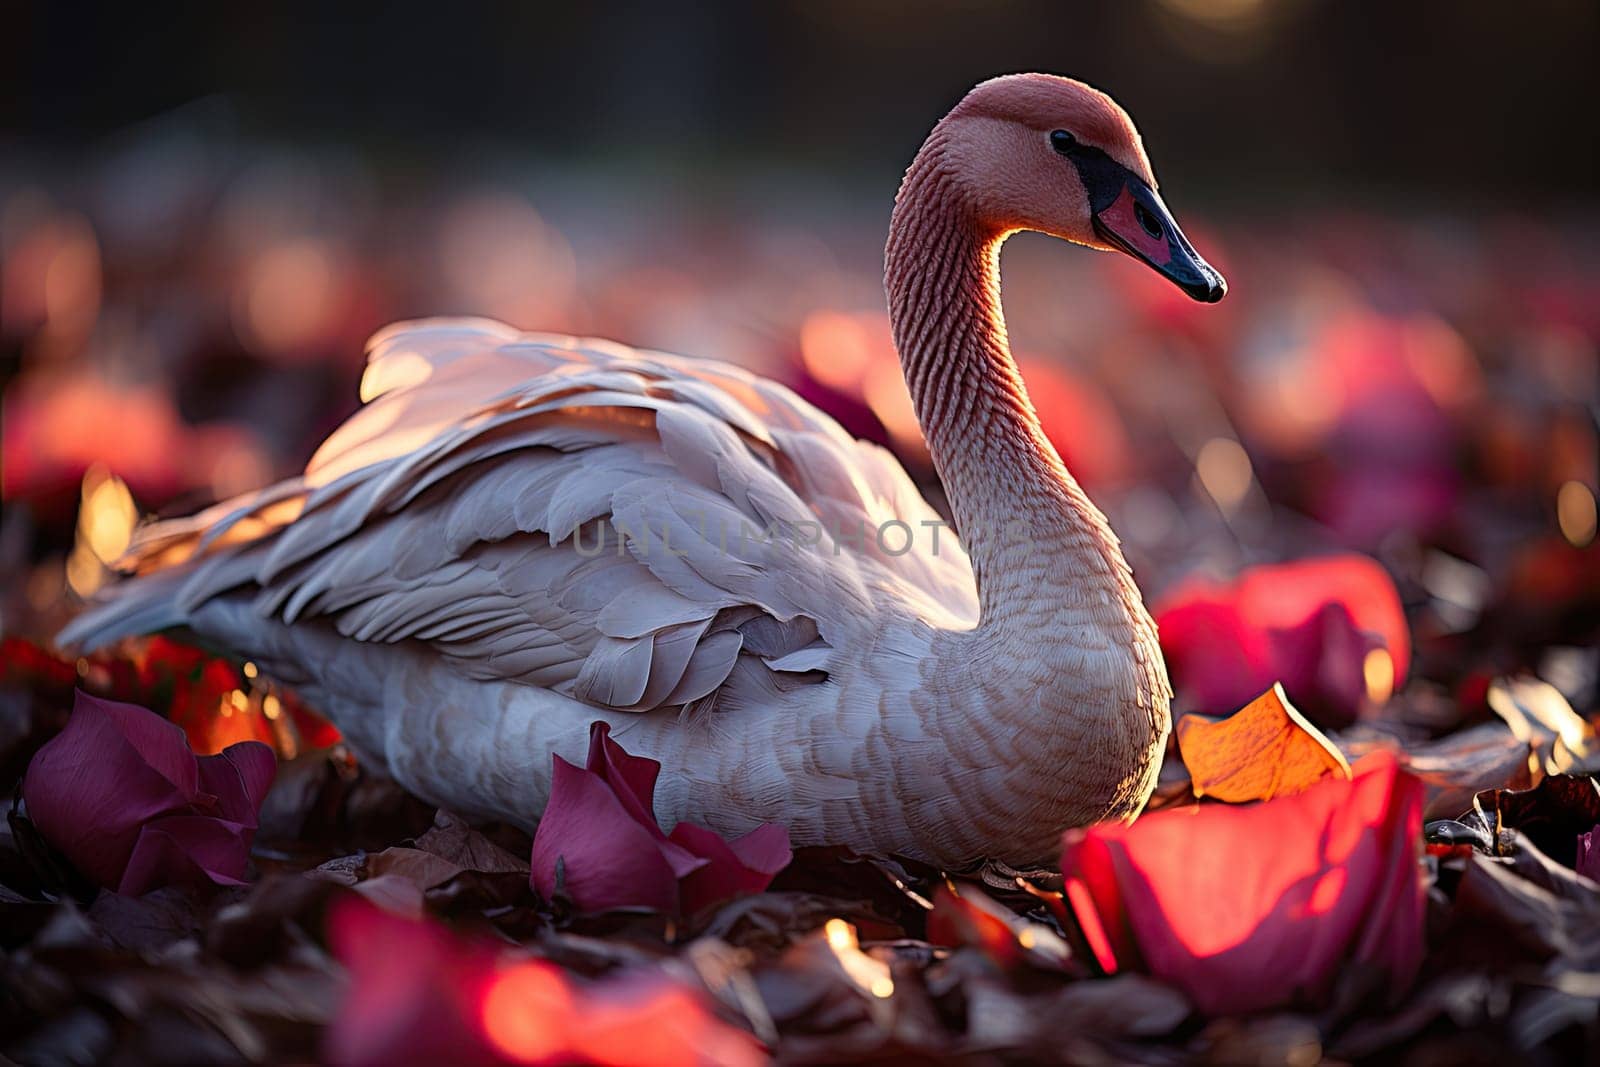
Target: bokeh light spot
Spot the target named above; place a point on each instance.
(1225, 472)
(519, 1009)
(1377, 670)
(1576, 513)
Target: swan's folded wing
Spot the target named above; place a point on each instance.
(618, 526)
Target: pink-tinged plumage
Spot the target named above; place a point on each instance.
(430, 581)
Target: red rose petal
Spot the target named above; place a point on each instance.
(733, 868)
(633, 780)
(1217, 659)
(417, 994)
(765, 849)
(187, 849)
(600, 825)
(632, 777)
(89, 789)
(1258, 906)
(412, 992)
(159, 743)
(120, 794)
(1308, 624)
(608, 859)
(239, 777)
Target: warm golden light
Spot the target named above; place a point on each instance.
(868, 973)
(1216, 12)
(1224, 471)
(836, 349)
(1534, 710)
(84, 573)
(1576, 513)
(106, 519)
(108, 516)
(1378, 670)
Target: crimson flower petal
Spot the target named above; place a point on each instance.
(158, 742)
(633, 778)
(419, 995)
(600, 828)
(120, 794)
(765, 849)
(239, 777)
(187, 849)
(90, 788)
(746, 864)
(1254, 907)
(412, 992)
(1217, 659)
(1308, 624)
(606, 857)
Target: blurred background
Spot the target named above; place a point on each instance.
(204, 213)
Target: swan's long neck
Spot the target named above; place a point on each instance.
(1037, 544)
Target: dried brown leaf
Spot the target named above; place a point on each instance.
(450, 838)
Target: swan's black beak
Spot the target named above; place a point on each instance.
(1129, 215)
(1137, 222)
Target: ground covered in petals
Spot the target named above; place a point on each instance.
(1290, 913)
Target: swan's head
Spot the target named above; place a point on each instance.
(1040, 152)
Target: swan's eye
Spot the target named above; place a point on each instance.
(1148, 220)
(1062, 141)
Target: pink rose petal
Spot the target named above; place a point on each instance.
(1308, 624)
(1255, 907)
(120, 794)
(606, 858)
(633, 778)
(734, 868)
(186, 849)
(239, 777)
(600, 826)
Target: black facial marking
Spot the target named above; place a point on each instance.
(1102, 176)
(1104, 180)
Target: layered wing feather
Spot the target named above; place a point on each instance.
(619, 526)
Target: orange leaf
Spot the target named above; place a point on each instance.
(1264, 750)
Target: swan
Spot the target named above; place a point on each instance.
(519, 534)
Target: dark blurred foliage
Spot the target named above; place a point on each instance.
(1238, 97)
